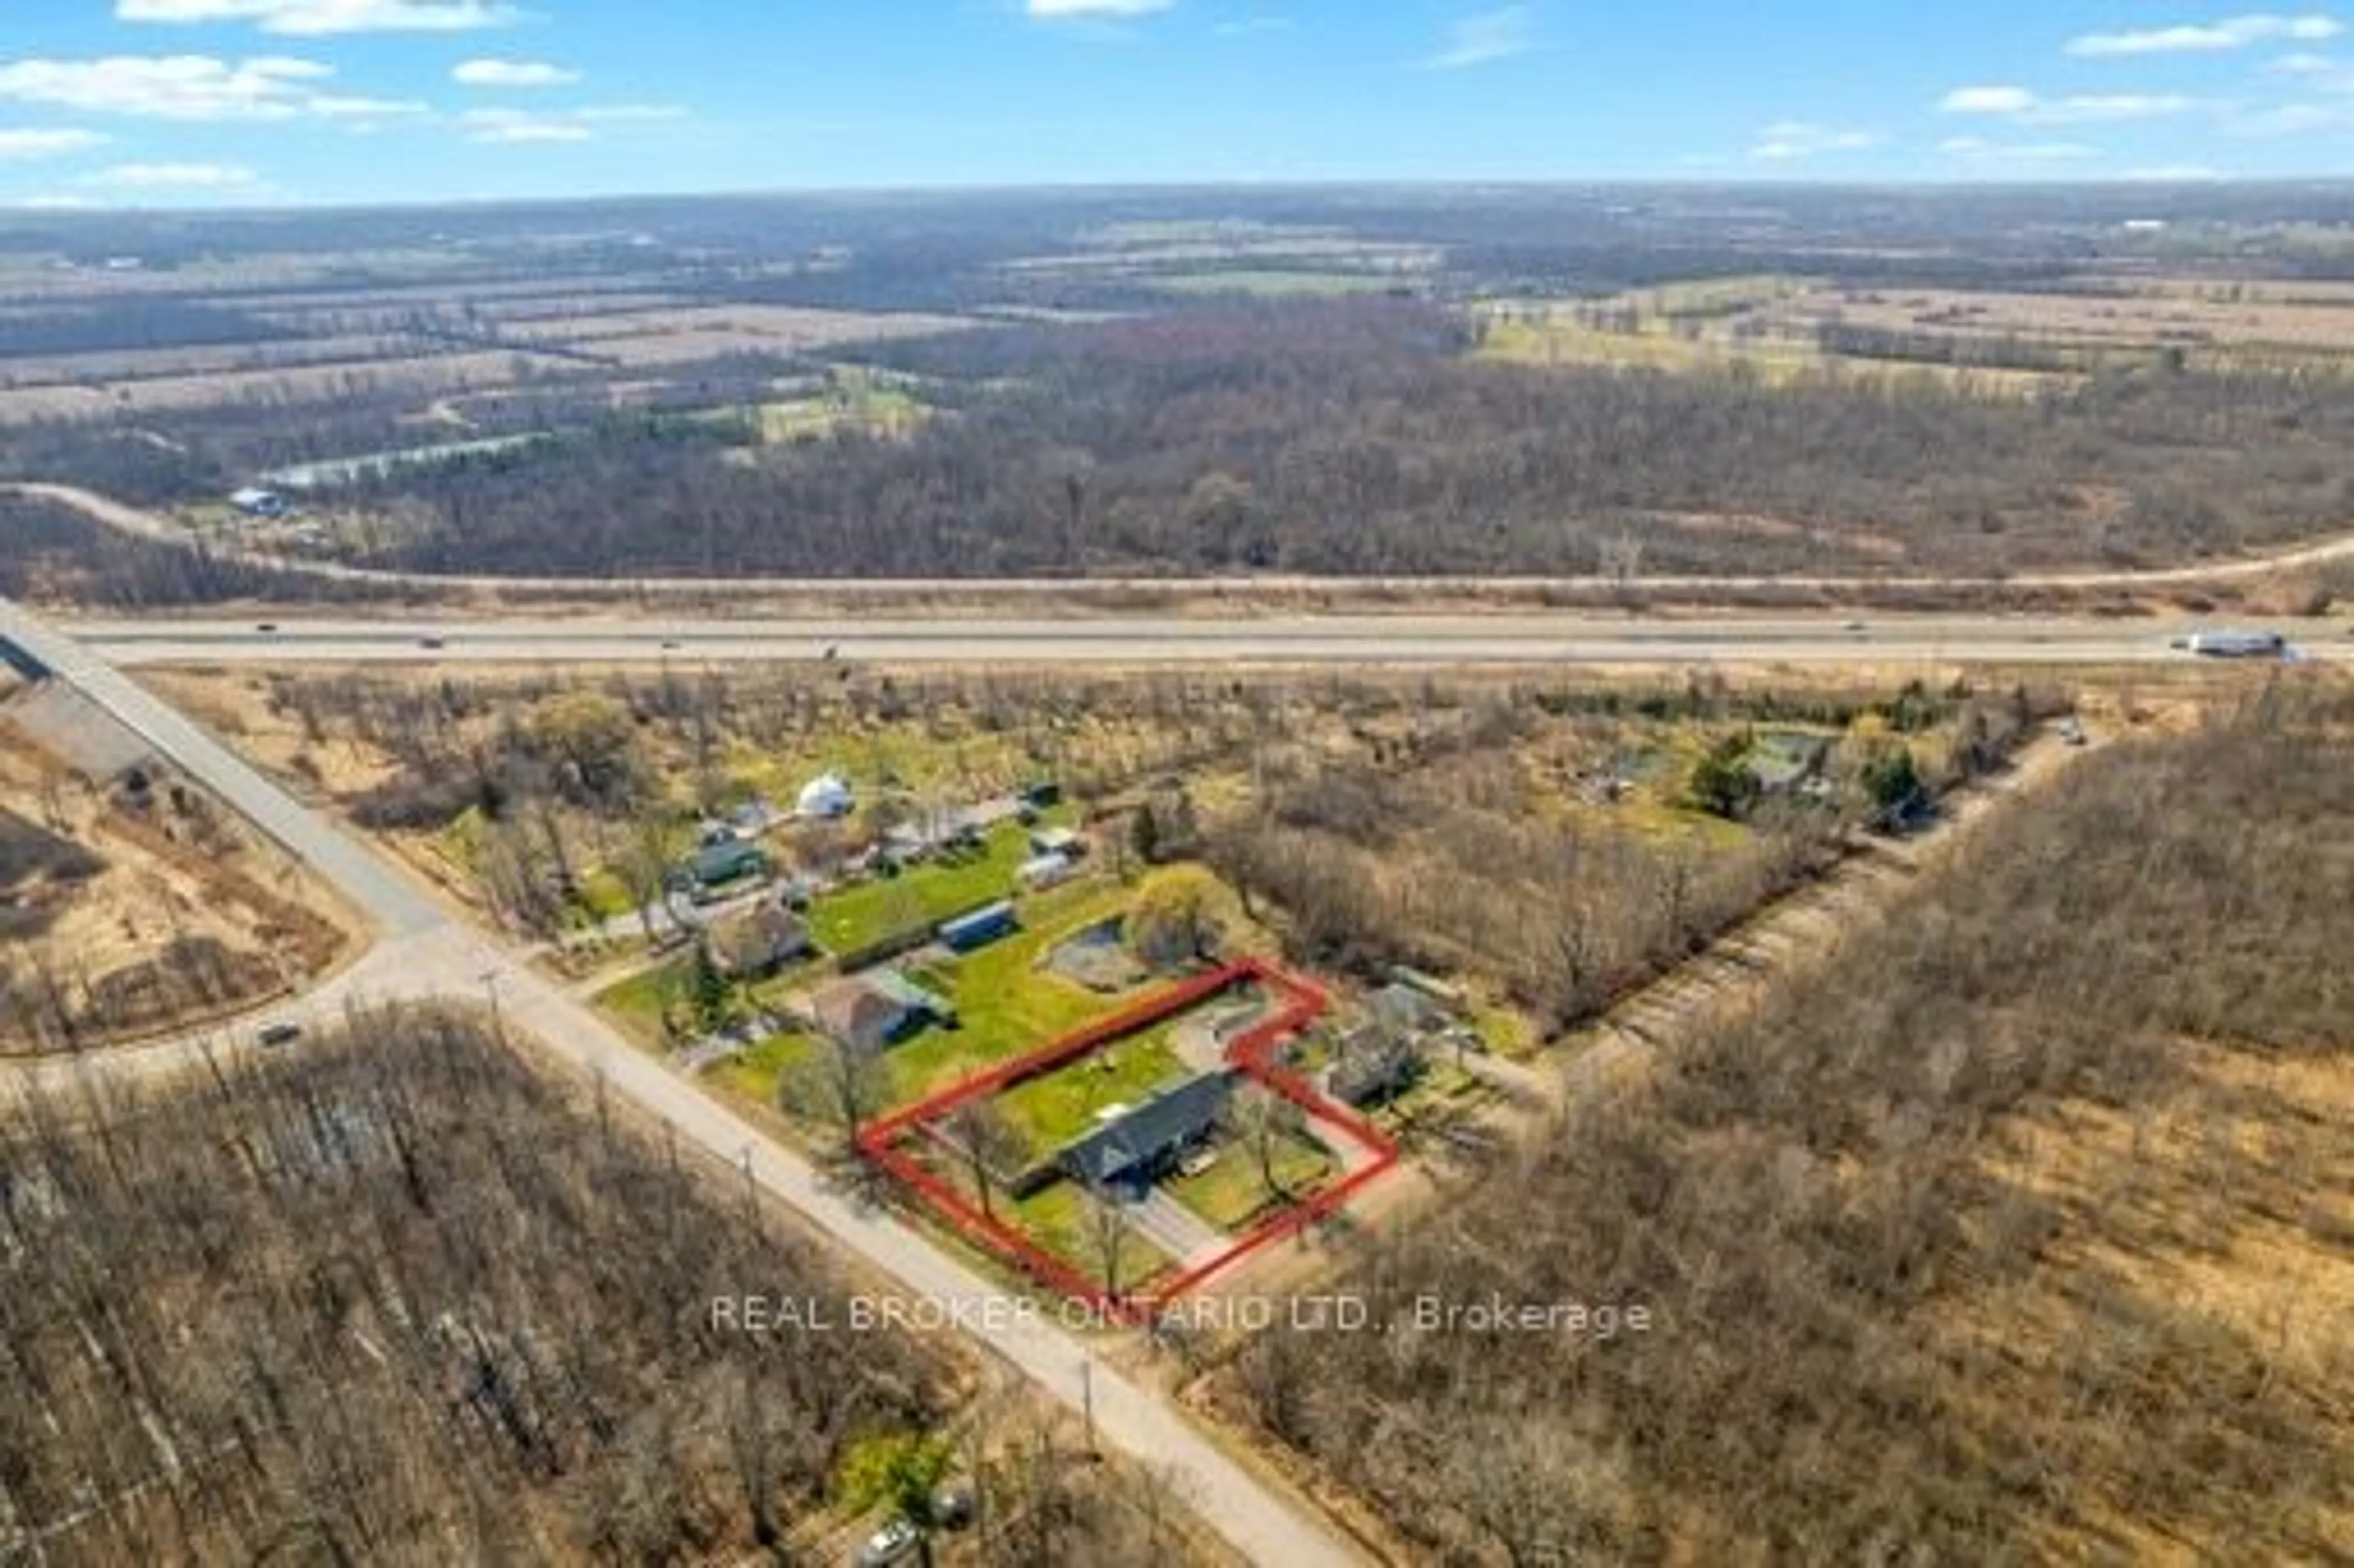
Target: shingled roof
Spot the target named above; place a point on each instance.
(1152, 1131)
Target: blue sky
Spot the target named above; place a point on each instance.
(173, 102)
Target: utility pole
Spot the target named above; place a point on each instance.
(490, 978)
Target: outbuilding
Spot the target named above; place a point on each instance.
(255, 502)
(978, 929)
(827, 796)
(1044, 871)
(1063, 842)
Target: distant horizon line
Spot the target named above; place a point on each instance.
(15, 211)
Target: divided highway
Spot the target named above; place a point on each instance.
(1460, 639)
(426, 953)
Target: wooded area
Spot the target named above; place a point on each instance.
(1354, 438)
(397, 1300)
(48, 553)
(2017, 1230)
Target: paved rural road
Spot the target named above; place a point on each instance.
(129, 519)
(1568, 639)
(428, 954)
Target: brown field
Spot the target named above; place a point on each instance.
(2273, 316)
(679, 336)
(121, 919)
(75, 371)
(436, 376)
(1768, 326)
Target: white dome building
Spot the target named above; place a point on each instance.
(828, 795)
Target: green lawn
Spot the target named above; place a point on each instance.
(637, 1002)
(1005, 1004)
(1232, 1193)
(756, 1073)
(865, 914)
(602, 897)
(1505, 1032)
(1059, 1220)
(1054, 1109)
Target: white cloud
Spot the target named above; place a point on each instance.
(2099, 108)
(623, 113)
(529, 127)
(28, 144)
(2016, 103)
(333, 106)
(2322, 73)
(2208, 38)
(176, 177)
(517, 128)
(1489, 37)
(1979, 150)
(1792, 140)
(322, 18)
(1094, 10)
(170, 87)
(2292, 120)
(2174, 174)
(1987, 100)
(511, 73)
(56, 201)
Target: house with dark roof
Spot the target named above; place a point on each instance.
(1374, 1063)
(861, 1017)
(717, 869)
(1137, 1147)
(876, 1010)
(1409, 1009)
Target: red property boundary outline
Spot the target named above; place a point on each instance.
(1251, 1053)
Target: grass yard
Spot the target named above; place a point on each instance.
(1233, 1193)
(1051, 1110)
(857, 917)
(1005, 1004)
(955, 767)
(637, 1002)
(601, 896)
(1060, 1219)
(756, 1073)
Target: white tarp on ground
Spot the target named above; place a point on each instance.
(828, 795)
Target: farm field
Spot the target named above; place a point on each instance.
(952, 387)
(1980, 343)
